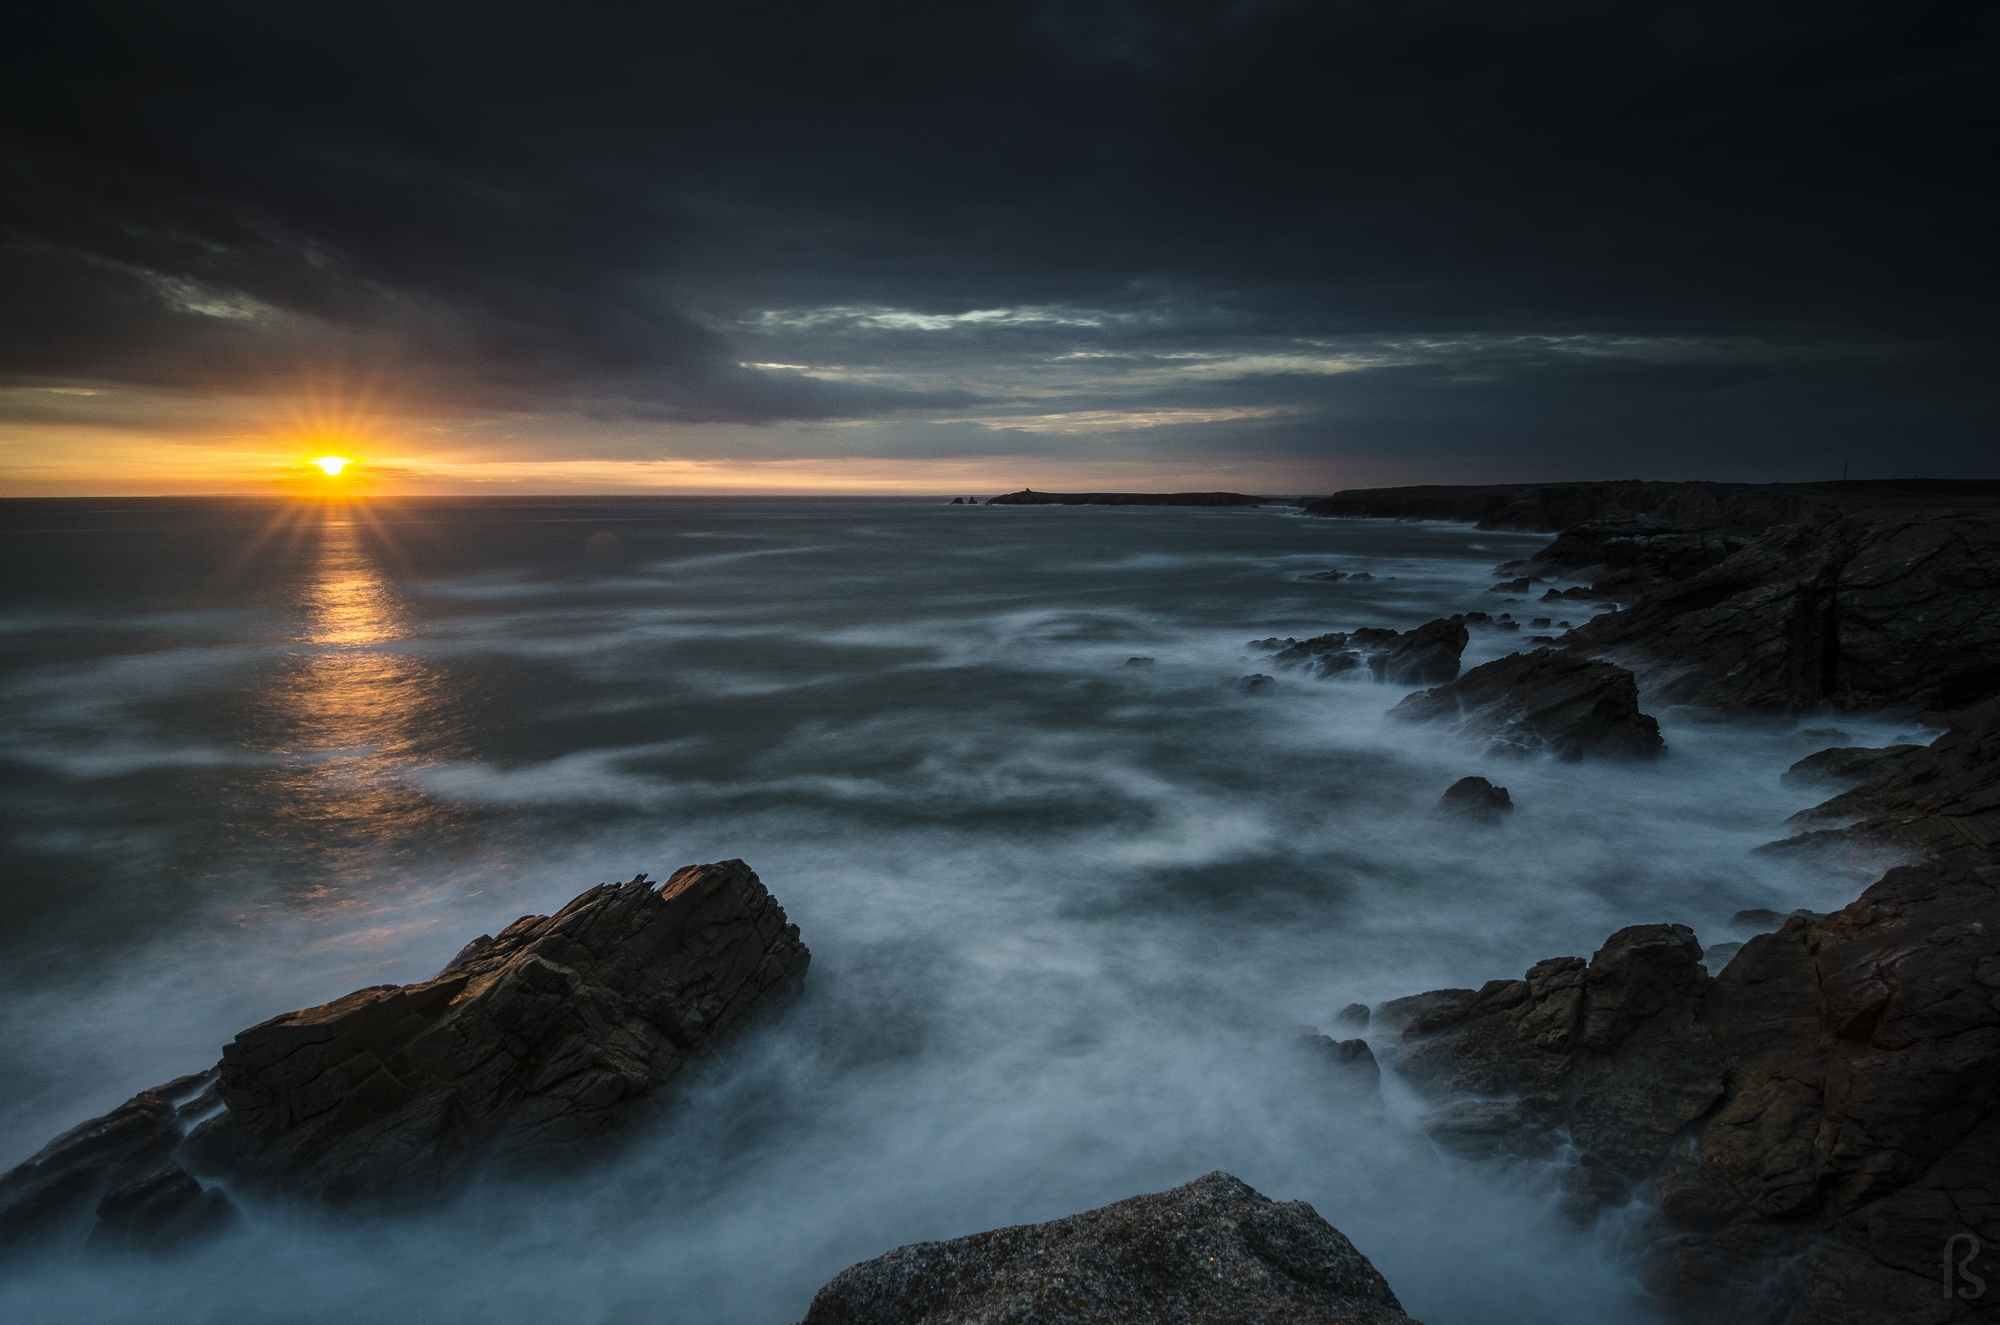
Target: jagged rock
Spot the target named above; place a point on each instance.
(1352, 1063)
(1560, 702)
(1425, 655)
(554, 1033)
(1354, 1014)
(1213, 1252)
(1327, 575)
(1259, 684)
(1853, 614)
(1942, 799)
(1476, 799)
(119, 1168)
(1599, 1051)
(1138, 662)
(1852, 764)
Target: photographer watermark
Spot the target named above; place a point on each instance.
(1959, 1249)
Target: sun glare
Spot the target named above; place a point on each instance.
(332, 464)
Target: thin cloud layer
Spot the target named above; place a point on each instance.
(1552, 236)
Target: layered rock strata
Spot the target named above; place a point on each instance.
(1857, 613)
(1214, 1252)
(1560, 702)
(527, 1048)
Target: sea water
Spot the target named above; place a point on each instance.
(1068, 912)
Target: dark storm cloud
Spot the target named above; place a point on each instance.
(628, 211)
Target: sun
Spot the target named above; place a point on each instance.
(332, 464)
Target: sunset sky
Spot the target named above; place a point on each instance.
(1272, 247)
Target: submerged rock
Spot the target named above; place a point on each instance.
(1213, 1252)
(1851, 764)
(1476, 799)
(117, 1177)
(1560, 702)
(528, 1045)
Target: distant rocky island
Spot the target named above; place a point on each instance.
(1810, 1130)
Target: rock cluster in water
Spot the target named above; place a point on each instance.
(1423, 656)
(1812, 1124)
(1213, 1252)
(530, 1045)
(1812, 1131)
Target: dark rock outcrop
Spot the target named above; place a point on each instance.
(1213, 1252)
(1810, 1128)
(115, 1176)
(1423, 656)
(1476, 799)
(1851, 764)
(530, 1044)
(1855, 613)
(1562, 702)
(1029, 497)
(556, 1032)
(1621, 559)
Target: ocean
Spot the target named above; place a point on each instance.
(1067, 913)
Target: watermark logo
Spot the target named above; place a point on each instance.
(1958, 1266)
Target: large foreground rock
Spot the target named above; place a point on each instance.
(1810, 1127)
(528, 1047)
(1556, 701)
(529, 1044)
(1214, 1252)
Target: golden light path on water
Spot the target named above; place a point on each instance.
(346, 709)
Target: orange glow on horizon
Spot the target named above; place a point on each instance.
(332, 464)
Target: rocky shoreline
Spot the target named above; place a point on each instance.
(1807, 1133)
(1811, 1133)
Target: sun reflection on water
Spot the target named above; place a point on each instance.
(351, 709)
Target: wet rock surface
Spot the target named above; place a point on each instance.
(1856, 613)
(554, 1033)
(1561, 702)
(1476, 800)
(1850, 764)
(1423, 656)
(114, 1181)
(1214, 1252)
(528, 1047)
